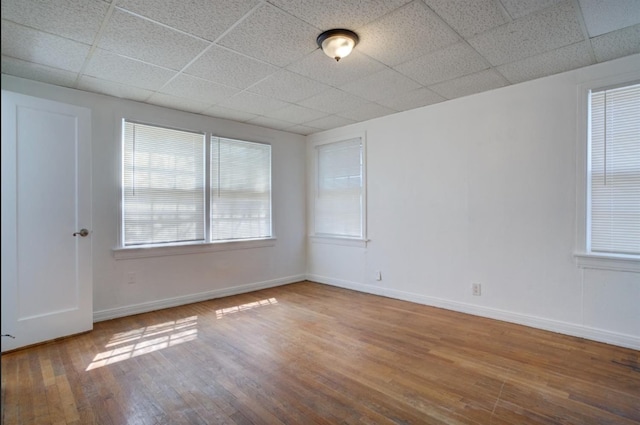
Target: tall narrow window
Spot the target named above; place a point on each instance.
(614, 171)
(163, 185)
(339, 189)
(240, 189)
(179, 190)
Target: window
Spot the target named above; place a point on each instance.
(614, 170)
(173, 180)
(609, 161)
(339, 197)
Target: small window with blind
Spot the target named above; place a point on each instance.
(339, 190)
(613, 168)
(184, 188)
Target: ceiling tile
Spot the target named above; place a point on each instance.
(534, 34)
(142, 39)
(110, 88)
(602, 17)
(320, 67)
(179, 103)
(37, 72)
(206, 19)
(228, 114)
(549, 63)
(446, 64)
(519, 8)
(470, 84)
(327, 123)
(42, 48)
(367, 111)
(617, 44)
(111, 67)
(338, 13)
(273, 36)
(296, 114)
(302, 129)
(332, 101)
(413, 99)
(288, 86)
(205, 91)
(383, 84)
(269, 123)
(229, 68)
(252, 103)
(77, 20)
(469, 17)
(410, 31)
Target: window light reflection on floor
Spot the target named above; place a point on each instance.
(125, 345)
(242, 307)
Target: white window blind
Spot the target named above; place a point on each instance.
(339, 190)
(615, 170)
(240, 189)
(163, 185)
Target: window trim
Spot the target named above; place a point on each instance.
(585, 258)
(336, 239)
(121, 252)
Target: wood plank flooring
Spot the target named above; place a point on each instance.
(307, 353)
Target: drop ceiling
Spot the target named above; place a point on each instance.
(257, 61)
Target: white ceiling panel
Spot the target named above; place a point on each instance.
(77, 20)
(40, 47)
(139, 38)
(258, 61)
(205, 91)
(445, 64)
(470, 84)
(207, 19)
(602, 17)
(111, 67)
(553, 62)
(536, 33)
(355, 66)
(38, 72)
(411, 100)
(617, 44)
(410, 31)
(381, 85)
(519, 8)
(229, 68)
(470, 18)
(110, 88)
(288, 86)
(338, 13)
(273, 36)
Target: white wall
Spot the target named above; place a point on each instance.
(483, 189)
(173, 280)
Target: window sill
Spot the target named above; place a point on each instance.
(198, 248)
(336, 240)
(624, 263)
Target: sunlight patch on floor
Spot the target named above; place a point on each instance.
(242, 307)
(125, 345)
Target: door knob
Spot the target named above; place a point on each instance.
(82, 232)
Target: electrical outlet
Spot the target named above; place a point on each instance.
(476, 289)
(378, 275)
(131, 278)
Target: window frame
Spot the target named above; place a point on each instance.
(584, 257)
(121, 252)
(336, 239)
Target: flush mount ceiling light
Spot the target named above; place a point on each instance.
(337, 43)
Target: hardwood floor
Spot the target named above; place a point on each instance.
(313, 354)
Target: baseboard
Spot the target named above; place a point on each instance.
(113, 313)
(600, 335)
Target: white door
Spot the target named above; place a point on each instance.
(46, 198)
